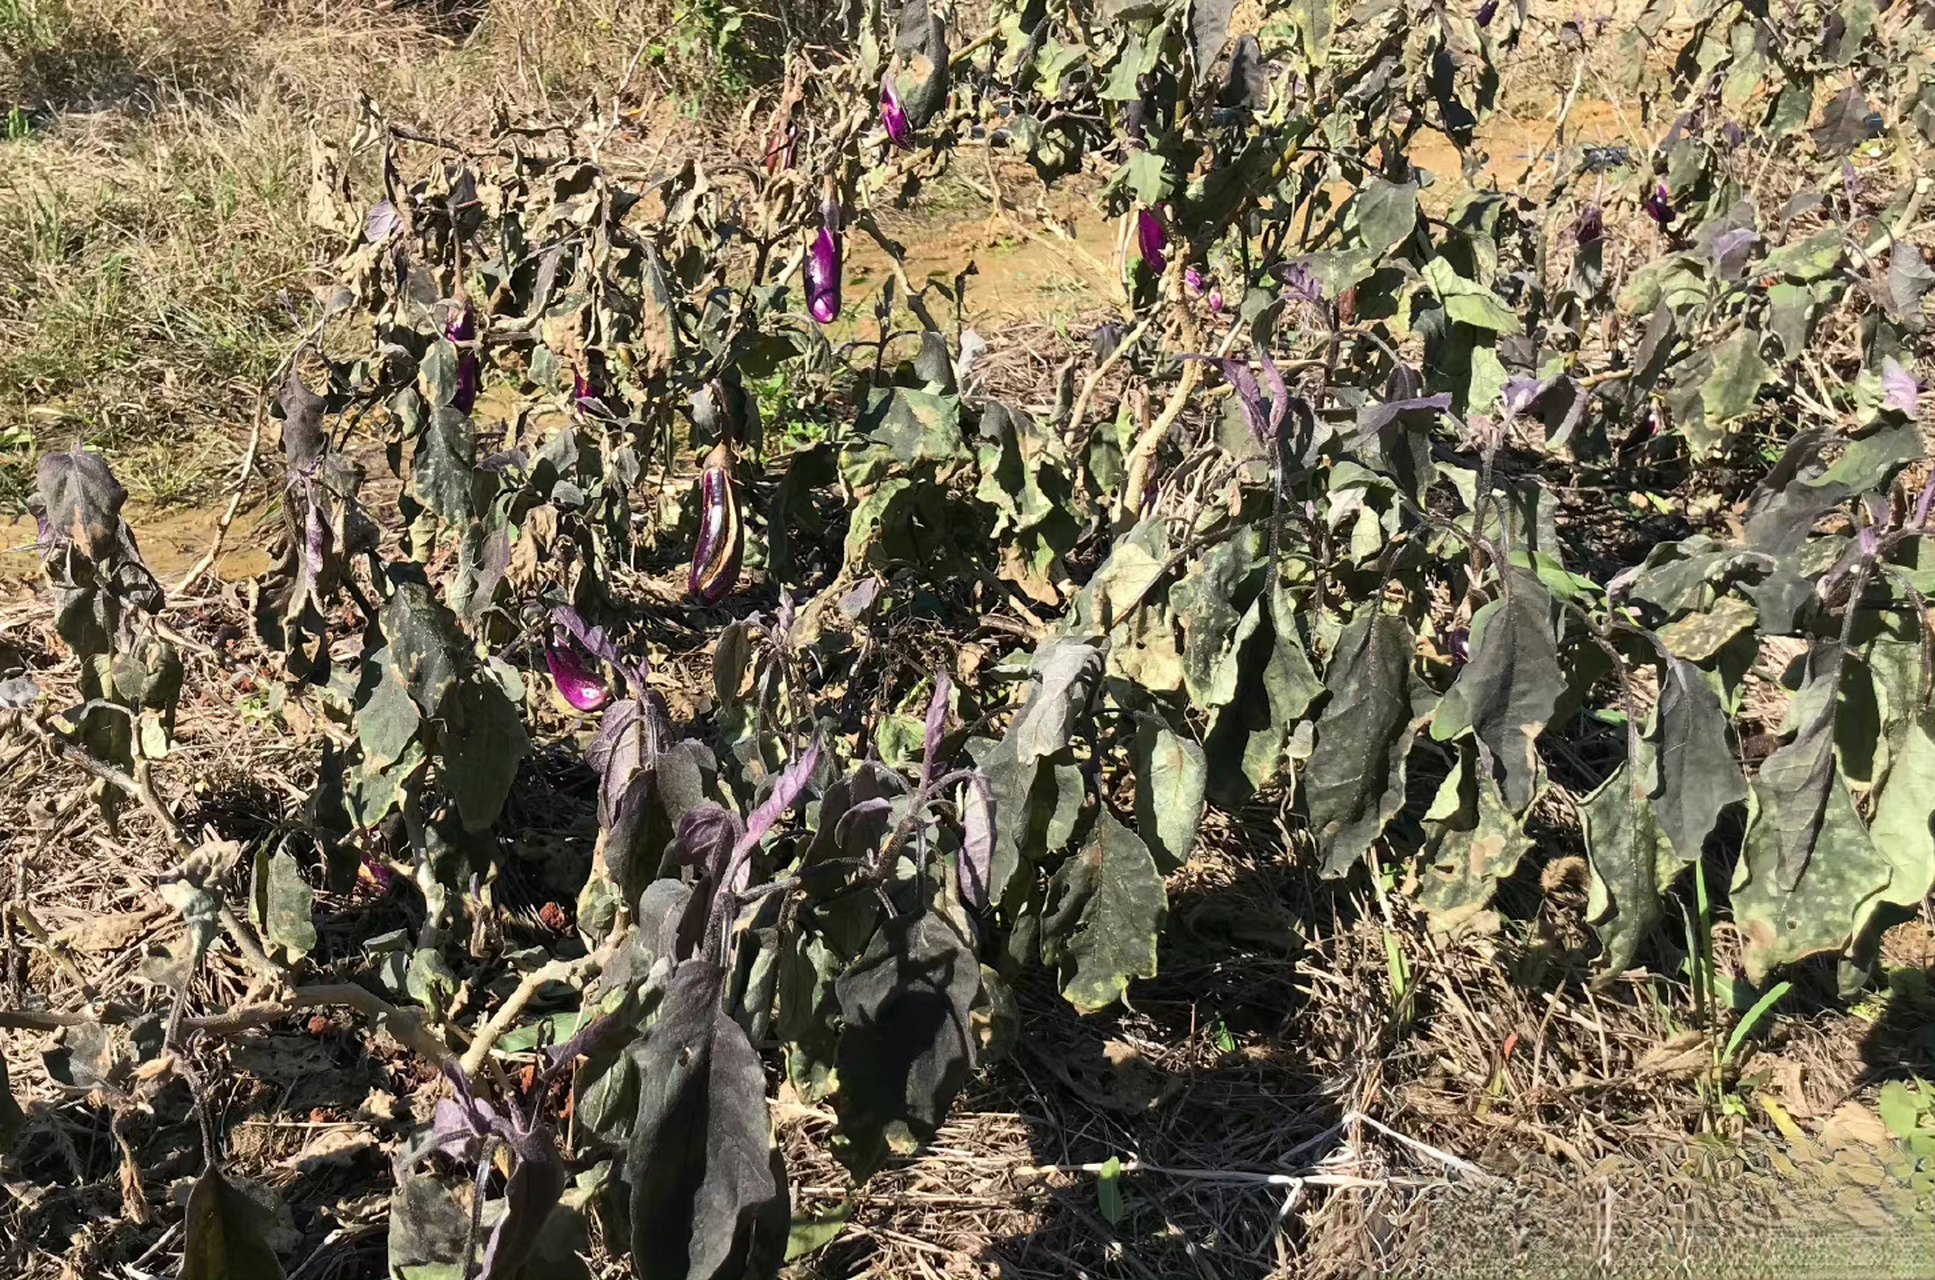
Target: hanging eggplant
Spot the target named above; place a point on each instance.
(722, 537)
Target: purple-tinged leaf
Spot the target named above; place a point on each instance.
(1299, 285)
(707, 836)
(535, 1187)
(787, 790)
(1899, 389)
(381, 222)
(936, 725)
(977, 841)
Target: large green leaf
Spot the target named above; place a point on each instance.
(386, 723)
(1901, 828)
(1205, 602)
(1248, 740)
(708, 1186)
(483, 740)
(1105, 909)
(1697, 775)
(1738, 372)
(1171, 773)
(445, 463)
(425, 645)
(226, 1232)
(1387, 213)
(1631, 862)
(1354, 781)
(1510, 688)
(906, 1046)
(1467, 301)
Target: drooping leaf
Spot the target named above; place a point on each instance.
(1632, 865)
(482, 741)
(424, 644)
(1696, 774)
(1738, 373)
(226, 1232)
(1204, 601)
(708, 1188)
(1171, 774)
(1901, 828)
(1354, 781)
(1248, 740)
(1066, 671)
(388, 721)
(1794, 785)
(1783, 918)
(906, 1046)
(446, 461)
(1512, 685)
(1105, 909)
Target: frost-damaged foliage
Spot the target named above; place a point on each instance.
(105, 603)
(1283, 537)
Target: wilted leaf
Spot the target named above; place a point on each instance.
(1471, 851)
(906, 1047)
(1738, 373)
(1171, 773)
(1387, 213)
(1511, 686)
(1901, 827)
(1248, 740)
(1697, 775)
(1105, 909)
(445, 462)
(386, 723)
(1467, 301)
(1354, 781)
(1066, 671)
(424, 643)
(708, 1188)
(225, 1234)
(282, 902)
(1631, 862)
(482, 742)
(1786, 918)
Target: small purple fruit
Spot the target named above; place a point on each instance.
(823, 266)
(1659, 206)
(577, 684)
(1486, 12)
(1151, 240)
(900, 131)
(1193, 281)
(1215, 301)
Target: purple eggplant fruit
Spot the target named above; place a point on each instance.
(1151, 240)
(1659, 206)
(462, 329)
(722, 538)
(899, 131)
(1193, 281)
(823, 266)
(1486, 12)
(1591, 226)
(577, 683)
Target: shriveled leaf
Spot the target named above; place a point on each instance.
(906, 1046)
(1512, 685)
(1105, 909)
(1171, 775)
(1697, 776)
(225, 1233)
(1901, 828)
(1470, 851)
(708, 1189)
(1786, 918)
(1354, 781)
